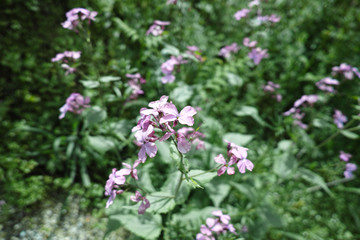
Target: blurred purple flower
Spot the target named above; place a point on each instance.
(225, 166)
(254, 3)
(347, 70)
(66, 56)
(272, 18)
(75, 103)
(75, 15)
(248, 43)
(135, 83)
(184, 117)
(350, 167)
(345, 156)
(225, 51)
(257, 54)
(339, 118)
(324, 83)
(241, 14)
(157, 28)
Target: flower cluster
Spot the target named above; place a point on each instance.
(241, 14)
(75, 103)
(157, 28)
(227, 50)
(350, 168)
(75, 15)
(296, 112)
(269, 18)
(193, 136)
(345, 156)
(325, 84)
(346, 70)
(65, 57)
(271, 87)
(135, 83)
(254, 3)
(237, 155)
(168, 68)
(256, 54)
(219, 225)
(339, 118)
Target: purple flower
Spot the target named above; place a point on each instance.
(350, 167)
(115, 179)
(75, 15)
(225, 51)
(272, 18)
(75, 103)
(195, 51)
(225, 166)
(156, 106)
(171, 2)
(248, 43)
(254, 3)
(347, 70)
(147, 140)
(183, 145)
(172, 114)
(339, 118)
(241, 14)
(257, 54)
(68, 69)
(145, 204)
(345, 156)
(135, 83)
(157, 28)
(66, 56)
(223, 217)
(130, 170)
(323, 84)
(168, 67)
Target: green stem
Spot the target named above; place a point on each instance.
(330, 184)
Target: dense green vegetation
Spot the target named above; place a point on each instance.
(297, 188)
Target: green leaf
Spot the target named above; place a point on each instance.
(147, 226)
(164, 150)
(160, 202)
(284, 164)
(201, 176)
(349, 134)
(170, 50)
(246, 189)
(106, 79)
(100, 143)
(217, 191)
(238, 139)
(90, 84)
(171, 184)
(181, 94)
(312, 177)
(251, 112)
(234, 79)
(95, 115)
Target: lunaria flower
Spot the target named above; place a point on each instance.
(238, 155)
(145, 204)
(347, 70)
(75, 15)
(257, 54)
(68, 69)
(248, 43)
(184, 117)
(350, 167)
(75, 103)
(241, 14)
(135, 83)
(195, 51)
(339, 118)
(157, 28)
(115, 180)
(227, 50)
(66, 56)
(254, 3)
(271, 87)
(225, 165)
(219, 225)
(168, 67)
(345, 156)
(193, 136)
(272, 18)
(325, 84)
(146, 140)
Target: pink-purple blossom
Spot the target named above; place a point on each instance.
(248, 43)
(241, 14)
(238, 155)
(339, 118)
(326, 84)
(115, 180)
(271, 87)
(184, 117)
(146, 138)
(346, 70)
(226, 166)
(345, 156)
(157, 28)
(219, 225)
(257, 54)
(350, 168)
(66, 56)
(75, 15)
(145, 204)
(254, 3)
(168, 68)
(195, 51)
(272, 18)
(75, 103)
(135, 82)
(227, 50)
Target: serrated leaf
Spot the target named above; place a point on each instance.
(106, 79)
(238, 139)
(284, 164)
(349, 134)
(201, 176)
(314, 178)
(160, 202)
(217, 191)
(181, 94)
(90, 84)
(234, 79)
